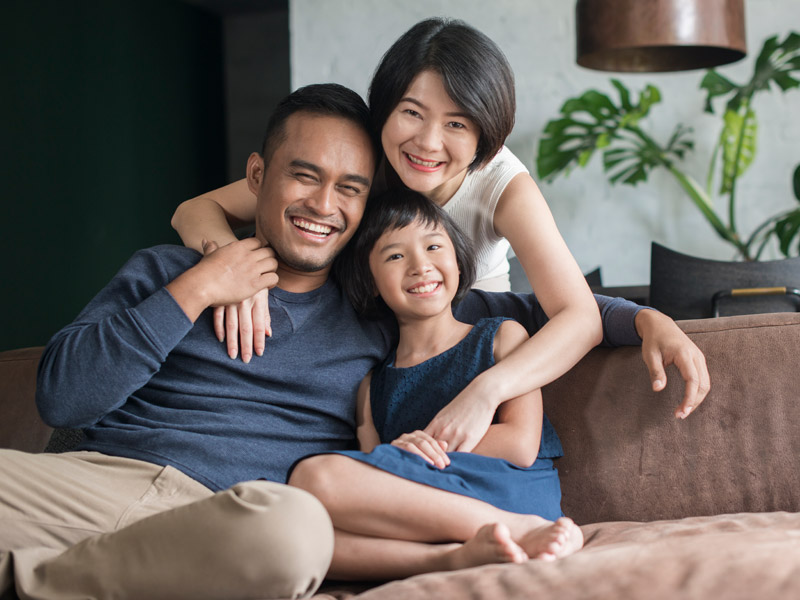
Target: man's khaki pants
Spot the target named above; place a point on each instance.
(86, 525)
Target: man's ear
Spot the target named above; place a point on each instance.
(255, 172)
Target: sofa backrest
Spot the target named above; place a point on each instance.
(21, 428)
(628, 458)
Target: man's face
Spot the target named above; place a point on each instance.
(312, 195)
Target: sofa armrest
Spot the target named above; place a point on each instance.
(628, 458)
(21, 428)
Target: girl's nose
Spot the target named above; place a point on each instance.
(420, 266)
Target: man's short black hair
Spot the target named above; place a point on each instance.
(326, 99)
(474, 71)
(395, 209)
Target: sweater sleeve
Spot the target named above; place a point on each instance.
(114, 346)
(617, 314)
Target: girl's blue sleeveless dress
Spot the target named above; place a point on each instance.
(406, 399)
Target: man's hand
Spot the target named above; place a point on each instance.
(465, 420)
(422, 444)
(225, 276)
(246, 322)
(663, 344)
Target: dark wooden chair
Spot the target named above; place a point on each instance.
(687, 287)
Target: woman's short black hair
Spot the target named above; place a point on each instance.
(474, 70)
(395, 209)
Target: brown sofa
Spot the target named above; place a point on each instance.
(702, 508)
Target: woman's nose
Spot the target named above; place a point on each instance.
(428, 137)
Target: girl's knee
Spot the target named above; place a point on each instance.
(316, 474)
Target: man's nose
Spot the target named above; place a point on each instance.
(323, 200)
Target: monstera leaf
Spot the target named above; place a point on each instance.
(787, 228)
(592, 121)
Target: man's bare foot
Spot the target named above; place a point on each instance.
(492, 544)
(555, 540)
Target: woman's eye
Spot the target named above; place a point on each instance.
(411, 112)
(456, 125)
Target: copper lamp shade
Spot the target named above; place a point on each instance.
(659, 35)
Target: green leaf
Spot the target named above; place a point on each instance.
(786, 231)
(738, 142)
(796, 182)
(624, 94)
(716, 85)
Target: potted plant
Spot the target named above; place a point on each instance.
(594, 122)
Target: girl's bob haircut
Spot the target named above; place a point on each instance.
(474, 71)
(395, 209)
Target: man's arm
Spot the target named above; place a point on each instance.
(120, 340)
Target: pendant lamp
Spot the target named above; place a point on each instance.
(659, 35)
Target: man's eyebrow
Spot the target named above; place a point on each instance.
(354, 177)
(413, 100)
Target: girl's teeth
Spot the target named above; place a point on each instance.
(424, 289)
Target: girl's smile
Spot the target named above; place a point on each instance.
(429, 140)
(415, 270)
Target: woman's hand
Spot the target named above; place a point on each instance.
(424, 445)
(465, 420)
(245, 324)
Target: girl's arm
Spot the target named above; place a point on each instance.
(572, 329)
(516, 433)
(213, 216)
(365, 428)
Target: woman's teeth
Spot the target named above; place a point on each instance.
(424, 163)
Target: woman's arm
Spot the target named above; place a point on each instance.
(213, 216)
(517, 431)
(572, 329)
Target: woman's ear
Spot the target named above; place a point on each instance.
(255, 172)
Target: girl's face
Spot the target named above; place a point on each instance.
(429, 140)
(415, 270)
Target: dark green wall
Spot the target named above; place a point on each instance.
(112, 113)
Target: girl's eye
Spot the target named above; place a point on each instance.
(394, 257)
(434, 247)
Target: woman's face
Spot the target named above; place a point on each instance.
(415, 270)
(428, 139)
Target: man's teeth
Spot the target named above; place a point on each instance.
(312, 227)
(424, 289)
(424, 163)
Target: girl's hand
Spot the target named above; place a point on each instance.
(246, 323)
(422, 444)
(465, 420)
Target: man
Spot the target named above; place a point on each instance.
(167, 498)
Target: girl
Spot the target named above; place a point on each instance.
(403, 504)
(443, 99)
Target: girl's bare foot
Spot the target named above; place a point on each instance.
(554, 540)
(492, 544)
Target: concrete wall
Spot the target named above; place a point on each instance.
(342, 41)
